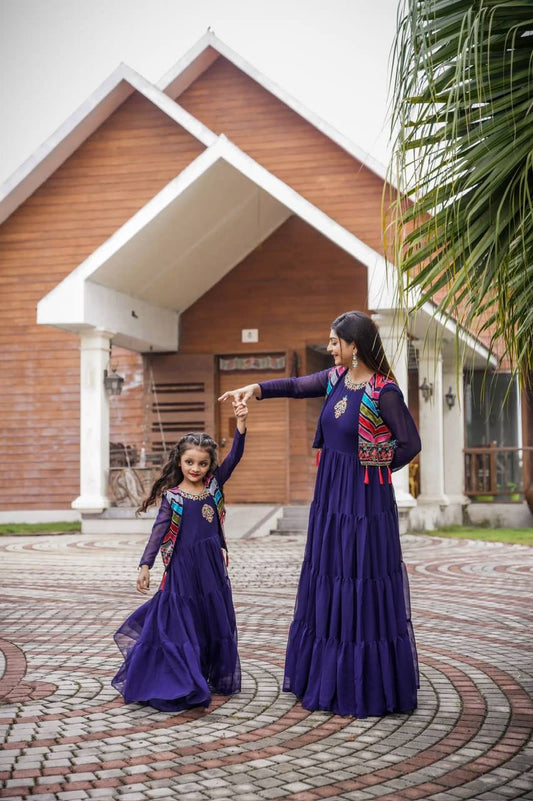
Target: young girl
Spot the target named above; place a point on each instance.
(182, 644)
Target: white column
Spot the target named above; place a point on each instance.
(432, 435)
(94, 423)
(453, 426)
(395, 347)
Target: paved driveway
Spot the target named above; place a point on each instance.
(68, 735)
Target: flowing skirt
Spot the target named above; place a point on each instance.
(182, 644)
(351, 646)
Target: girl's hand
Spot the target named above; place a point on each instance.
(241, 410)
(242, 394)
(225, 556)
(143, 580)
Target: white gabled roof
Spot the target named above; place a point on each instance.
(80, 125)
(205, 52)
(120, 85)
(181, 243)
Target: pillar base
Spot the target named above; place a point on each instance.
(90, 504)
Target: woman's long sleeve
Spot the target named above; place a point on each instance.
(232, 459)
(159, 529)
(399, 420)
(308, 386)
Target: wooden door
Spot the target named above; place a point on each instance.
(262, 474)
(181, 398)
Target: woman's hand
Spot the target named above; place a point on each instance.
(225, 556)
(242, 394)
(143, 580)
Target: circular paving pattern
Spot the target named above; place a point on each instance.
(67, 735)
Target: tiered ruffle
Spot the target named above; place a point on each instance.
(351, 647)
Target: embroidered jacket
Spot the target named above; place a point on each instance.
(167, 524)
(378, 442)
(175, 499)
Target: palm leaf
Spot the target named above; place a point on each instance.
(463, 109)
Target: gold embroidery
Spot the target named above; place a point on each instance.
(341, 406)
(208, 512)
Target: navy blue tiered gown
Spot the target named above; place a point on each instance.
(351, 647)
(182, 644)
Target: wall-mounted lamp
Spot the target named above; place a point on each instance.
(113, 382)
(426, 390)
(450, 399)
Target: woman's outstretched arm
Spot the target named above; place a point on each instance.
(308, 386)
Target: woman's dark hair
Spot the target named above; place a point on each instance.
(171, 474)
(354, 326)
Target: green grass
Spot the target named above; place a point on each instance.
(39, 528)
(515, 536)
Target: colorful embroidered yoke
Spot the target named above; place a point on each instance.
(376, 445)
(175, 500)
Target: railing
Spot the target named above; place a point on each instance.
(494, 473)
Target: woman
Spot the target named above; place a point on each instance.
(351, 648)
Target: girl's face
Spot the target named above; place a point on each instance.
(195, 463)
(340, 350)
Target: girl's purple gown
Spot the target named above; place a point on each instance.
(351, 647)
(182, 644)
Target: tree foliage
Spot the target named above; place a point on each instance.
(463, 109)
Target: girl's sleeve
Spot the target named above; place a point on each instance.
(308, 386)
(232, 459)
(399, 420)
(159, 529)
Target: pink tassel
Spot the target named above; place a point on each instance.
(318, 457)
(380, 476)
(366, 476)
(390, 475)
(163, 580)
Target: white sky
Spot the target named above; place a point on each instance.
(331, 55)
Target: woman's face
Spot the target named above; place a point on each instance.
(340, 350)
(195, 464)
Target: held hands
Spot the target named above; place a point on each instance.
(143, 580)
(243, 394)
(241, 413)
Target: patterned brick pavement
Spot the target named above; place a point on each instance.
(68, 736)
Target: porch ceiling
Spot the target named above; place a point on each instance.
(196, 239)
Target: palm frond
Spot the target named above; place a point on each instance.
(463, 108)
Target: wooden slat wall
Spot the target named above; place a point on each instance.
(112, 175)
(290, 288)
(229, 102)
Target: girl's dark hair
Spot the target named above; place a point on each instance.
(355, 326)
(171, 474)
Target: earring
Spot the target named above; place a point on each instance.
(355, 361)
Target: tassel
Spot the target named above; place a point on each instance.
(380, 476)
(317, 461)
(366, 476)
(163, 580)
(390, 475)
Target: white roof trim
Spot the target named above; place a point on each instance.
(183, 73)
(457, 330)
(81, 124)
(222, 148)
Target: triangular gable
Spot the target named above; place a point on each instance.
(120, 85)
(204, 54)
(80, 125)
(106, 280)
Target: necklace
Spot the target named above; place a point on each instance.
(351, 384)
(194, 496)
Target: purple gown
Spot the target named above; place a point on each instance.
(182, 644)
(351, 647)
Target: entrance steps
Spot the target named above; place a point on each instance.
(293, 520)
